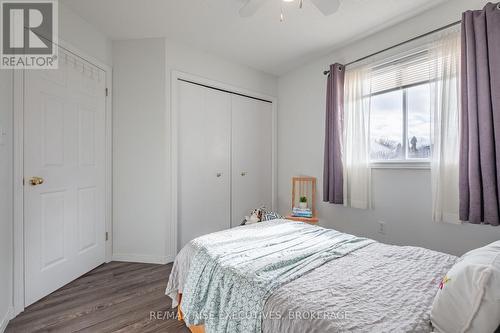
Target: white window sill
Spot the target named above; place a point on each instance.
(401, 165)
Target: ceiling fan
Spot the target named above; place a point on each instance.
(327, 7)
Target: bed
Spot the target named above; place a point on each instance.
(351, 284)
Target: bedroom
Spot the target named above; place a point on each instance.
(165, 172)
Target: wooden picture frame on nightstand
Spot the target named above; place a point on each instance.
(304, 186)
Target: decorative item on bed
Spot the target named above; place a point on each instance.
(303, 200)
(259, 215)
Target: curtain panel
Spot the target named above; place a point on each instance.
(480, 130)
(333, 179)
(444, 58)
(356, 155)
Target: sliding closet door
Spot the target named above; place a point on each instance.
(204, 149)
(251, 156)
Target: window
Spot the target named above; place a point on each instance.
(400, 115)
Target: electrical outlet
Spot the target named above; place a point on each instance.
(381, 227)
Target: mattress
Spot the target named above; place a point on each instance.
(378, 288)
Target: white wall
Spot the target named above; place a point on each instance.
(142, 200)
(140, 203)
(186, 59)
(402, 198)
(79, 33)
(6, 186)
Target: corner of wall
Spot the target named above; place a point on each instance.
(5, 318)
(77, 31)
(6, 197)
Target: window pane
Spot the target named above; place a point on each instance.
(419, 122)
(386, 126)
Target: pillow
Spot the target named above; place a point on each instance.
(268, 215)
(468, 299)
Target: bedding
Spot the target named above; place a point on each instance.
(231, 276)
(375, 287)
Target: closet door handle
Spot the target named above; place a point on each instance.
(218, 174)
(243, 174)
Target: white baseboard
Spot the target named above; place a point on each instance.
(142, 258)
(6, 318)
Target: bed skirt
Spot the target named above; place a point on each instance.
(180, 317)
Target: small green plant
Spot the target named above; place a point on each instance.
(303, 199)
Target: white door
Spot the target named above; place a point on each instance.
(204, 190)
(64, 135)
(251, 156)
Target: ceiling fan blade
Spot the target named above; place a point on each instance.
(327, 7)
(251, 7)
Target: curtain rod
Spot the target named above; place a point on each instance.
(400, 44)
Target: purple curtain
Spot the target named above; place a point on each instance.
(480, 129)
(333, 182)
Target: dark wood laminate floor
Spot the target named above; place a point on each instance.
(114, 297)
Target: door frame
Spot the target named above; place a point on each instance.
(18, 228)
(174, 154)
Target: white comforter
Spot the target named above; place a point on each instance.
(379, 288)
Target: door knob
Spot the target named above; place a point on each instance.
(219, 174)
(34, 181)
(243, 174)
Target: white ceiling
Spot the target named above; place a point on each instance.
(261, 41)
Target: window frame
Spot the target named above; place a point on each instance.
(406, 163)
